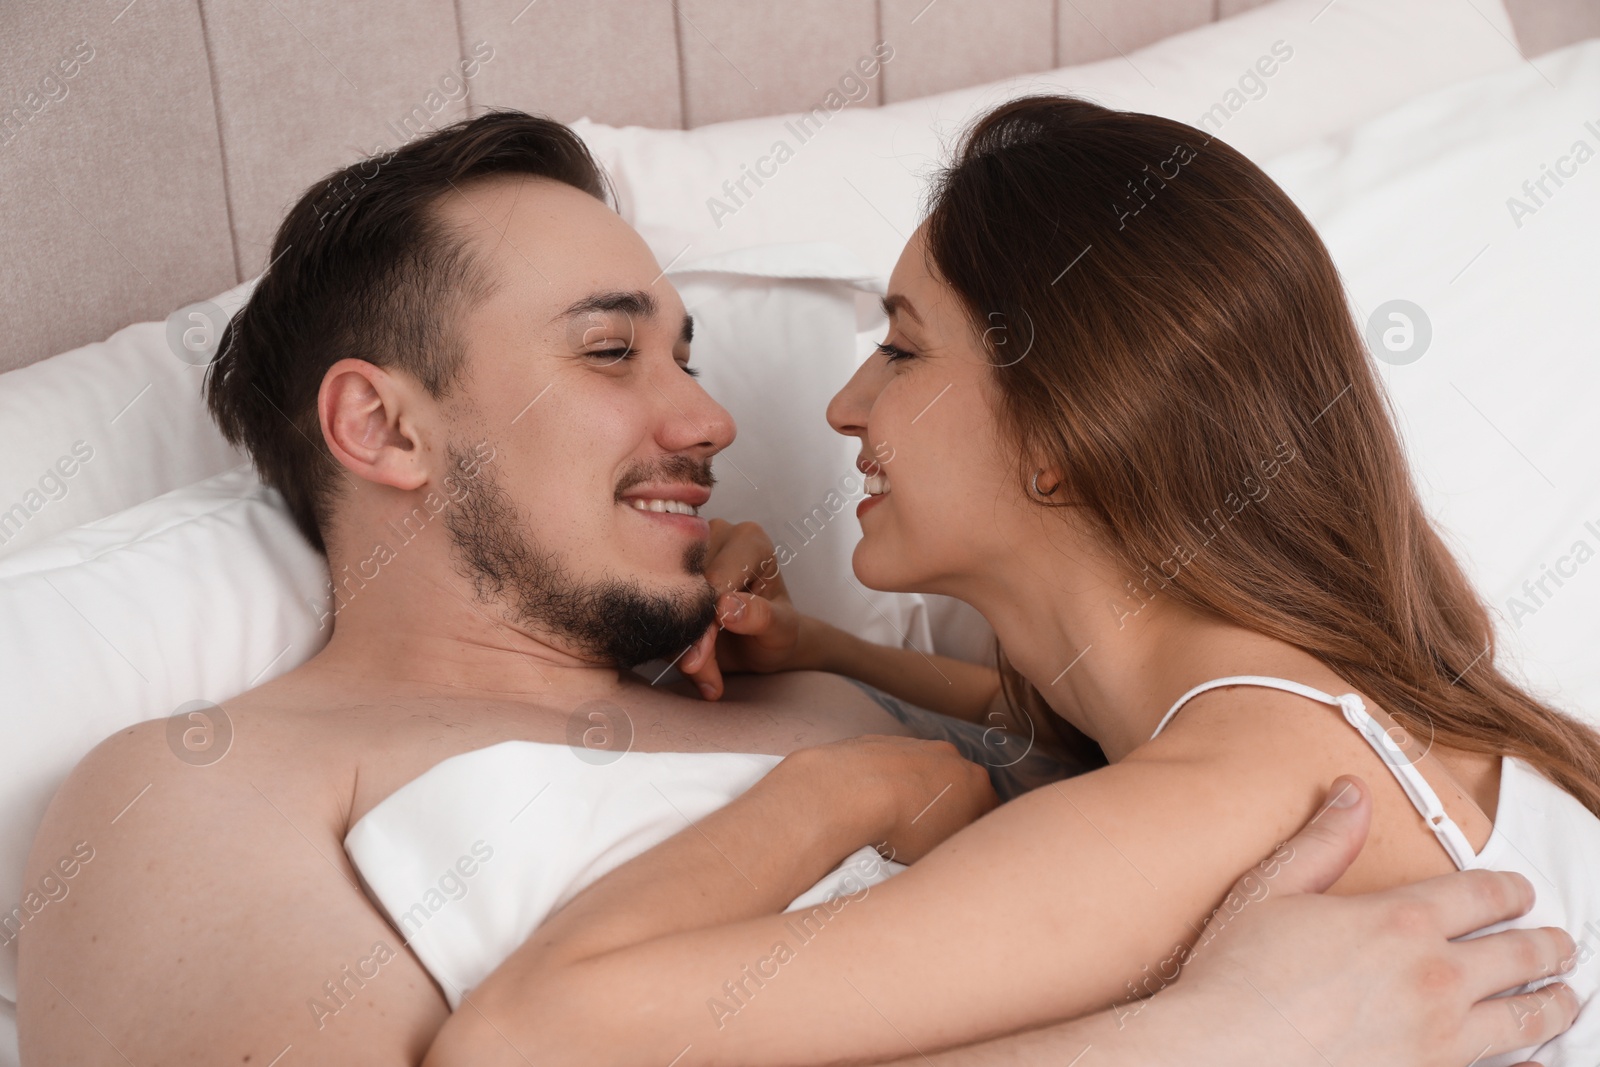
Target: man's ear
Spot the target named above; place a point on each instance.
(368, 425)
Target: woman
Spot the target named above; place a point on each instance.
(1132, 423)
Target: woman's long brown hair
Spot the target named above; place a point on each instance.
(1169, 331)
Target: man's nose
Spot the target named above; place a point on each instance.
(695, 420)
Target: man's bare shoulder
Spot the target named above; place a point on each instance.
(207, 758)
(150, 767)
(211, 912)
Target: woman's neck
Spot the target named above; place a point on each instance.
(1107, 656)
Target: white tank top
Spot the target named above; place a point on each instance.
(1540, 831)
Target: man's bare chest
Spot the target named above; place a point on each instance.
(391, 745)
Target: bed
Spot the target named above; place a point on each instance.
(1446, 150)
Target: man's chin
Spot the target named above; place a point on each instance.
(641, 624)
(626, 621)
(694, 558)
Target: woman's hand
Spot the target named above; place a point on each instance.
(923, 791)
(761, 629)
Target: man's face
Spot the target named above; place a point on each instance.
(582, 526)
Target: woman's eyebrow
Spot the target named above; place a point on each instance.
(896, 302)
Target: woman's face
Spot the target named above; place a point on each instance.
(946, 498)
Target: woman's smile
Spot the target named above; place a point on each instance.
(877, 487)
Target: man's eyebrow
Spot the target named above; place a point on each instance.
(895, 302)
(637, 303)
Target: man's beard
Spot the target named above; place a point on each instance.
(611, 619)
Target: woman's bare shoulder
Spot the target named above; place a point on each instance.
(1282, 743)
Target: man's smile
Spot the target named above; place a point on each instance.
(675, 503)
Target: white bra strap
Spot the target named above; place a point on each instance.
(1421, 794)
(1243, 679)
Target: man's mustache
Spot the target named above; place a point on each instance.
(670, 469)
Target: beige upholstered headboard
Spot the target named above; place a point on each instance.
(148, 148)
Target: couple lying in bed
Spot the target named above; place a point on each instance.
(1149, 447)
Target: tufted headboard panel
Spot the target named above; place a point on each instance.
(149, 148)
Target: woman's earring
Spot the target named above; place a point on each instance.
(1040, 492)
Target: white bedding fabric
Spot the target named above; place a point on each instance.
(535, 824)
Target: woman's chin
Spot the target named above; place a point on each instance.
(877, 569)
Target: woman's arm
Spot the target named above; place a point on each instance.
(1074, 897)
(949, 686)
(1352, 981)
(754, 856)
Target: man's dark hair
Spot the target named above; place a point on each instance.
(363, 268)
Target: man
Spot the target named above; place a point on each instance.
(462, 340)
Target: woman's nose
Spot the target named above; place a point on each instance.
(847, 411)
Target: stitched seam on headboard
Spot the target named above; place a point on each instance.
(683, 74)
(877, 39)
(1055, 34)
(222, 142)
(461, 54)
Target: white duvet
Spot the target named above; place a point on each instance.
(469, 858)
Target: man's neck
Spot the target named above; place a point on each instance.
(417, 624)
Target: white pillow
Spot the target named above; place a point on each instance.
(856, 176)
(105, 426)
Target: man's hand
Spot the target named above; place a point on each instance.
(1373, 979)
(1285, 976)
(760, 628)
